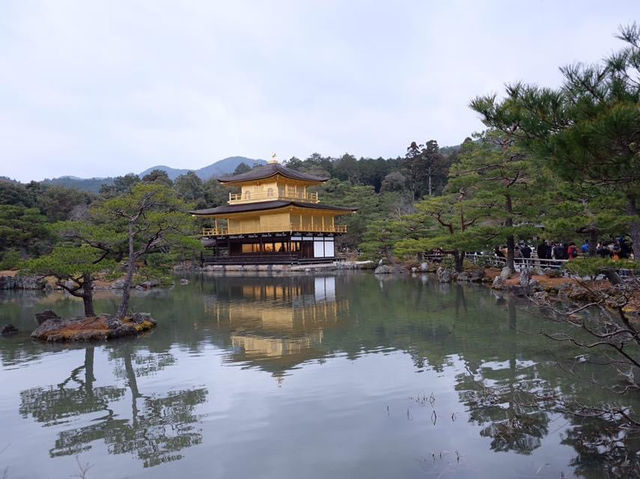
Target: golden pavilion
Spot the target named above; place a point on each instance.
(273, 218)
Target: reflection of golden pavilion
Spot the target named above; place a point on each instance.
(279, 321)
(275, 347)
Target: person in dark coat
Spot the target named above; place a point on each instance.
(544, 251)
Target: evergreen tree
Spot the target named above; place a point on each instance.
(449, 223)
(58, 202)
(499, 176)
(587, 131)
(157, 176)
(426, 168)
(241, 168)
(149, 219)
(23, 230)
(121, 184)
(215, 194)
(191, 189)
(74, 267)
(582, 212)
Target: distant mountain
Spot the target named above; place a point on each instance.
(214, 170)
(172, 172)
(226, 167)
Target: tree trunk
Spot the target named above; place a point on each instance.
(132, 381)
(133, 385)
(511, 304)
(458, 257)
(612, 275)
(511, 242)
(511, 253)
(429, 173)
(126, 289)
(593, 242)
(460, 300)
(89, 377)
(634, 226)
(87, 295)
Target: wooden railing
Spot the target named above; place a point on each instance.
(237, 198)
(316, 228)
(214, 231)
(253, 230)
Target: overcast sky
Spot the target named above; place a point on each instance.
(102, 88)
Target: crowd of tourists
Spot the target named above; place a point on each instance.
(615, 249)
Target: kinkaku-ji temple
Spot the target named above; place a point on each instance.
(273, 219)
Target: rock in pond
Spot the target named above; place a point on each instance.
(152, 283)
(390, 269)
(45, 315)
(9, 330)
(444, 275)
(97, 328)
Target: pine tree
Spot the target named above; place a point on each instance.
(449, 223)
(74, 267)
(587, 131)
(504, 183)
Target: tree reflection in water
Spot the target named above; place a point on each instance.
(516, 418)
(513, 409)
(158, 429)
(605, 442)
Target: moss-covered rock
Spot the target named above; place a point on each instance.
(97, 328)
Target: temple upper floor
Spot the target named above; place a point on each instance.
(272, 182)
(274, 190)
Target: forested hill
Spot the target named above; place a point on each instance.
(222, 167)
(90, 185)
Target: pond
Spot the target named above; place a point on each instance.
(344, 375)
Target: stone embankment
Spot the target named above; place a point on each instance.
(13, 280)
(276, 268)
(443, 275)
(543, 288)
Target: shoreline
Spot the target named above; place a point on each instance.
(534, 284)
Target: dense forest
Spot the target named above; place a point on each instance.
(552, 164)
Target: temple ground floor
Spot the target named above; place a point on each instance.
(270, 248)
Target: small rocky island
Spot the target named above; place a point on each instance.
(52, 328)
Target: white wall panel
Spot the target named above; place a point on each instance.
(329, 251)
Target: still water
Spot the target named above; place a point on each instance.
(341, 376)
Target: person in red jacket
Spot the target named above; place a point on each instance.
(572, 251)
